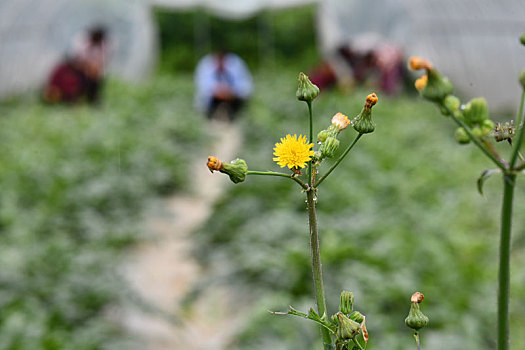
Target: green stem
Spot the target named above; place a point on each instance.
(317, 272)
(517, 145)
(476, 140)
(273, 173)
(520, 166)
(504, 262)
(310, 139)
(338, 161)
(358, 345)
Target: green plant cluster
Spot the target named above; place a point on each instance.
(402, 221)
(74, 185)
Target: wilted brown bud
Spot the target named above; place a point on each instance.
(417, 297)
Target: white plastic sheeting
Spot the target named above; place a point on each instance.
(474, 42)
(36, 34)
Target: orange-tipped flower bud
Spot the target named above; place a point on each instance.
(363, 123)
(371, 100)
(340, 121)
(417, 63)
(421, 82)
(214, 164)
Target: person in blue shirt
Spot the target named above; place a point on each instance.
(223, 83)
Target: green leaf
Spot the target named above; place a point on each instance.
(484, 176)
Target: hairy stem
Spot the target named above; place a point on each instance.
(310, 139)
(504, 261)
(317, 272)
(339, 160)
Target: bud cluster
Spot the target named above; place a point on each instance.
(438, 89)
(348, 322)
(328, 138)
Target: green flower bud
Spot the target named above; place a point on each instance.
(236, 170)
(437, 87)
(487, 127)
(356, 316)
(476, 131)
(522, 79)
(329, 147)
(462, 136)
(321, 137)
(346, 328)
(476, 110)
(363, 123)
(452, 103)
(306, 91)
(522, 39)
(346, 302)
(415, 318)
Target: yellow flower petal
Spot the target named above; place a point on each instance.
(293, 152)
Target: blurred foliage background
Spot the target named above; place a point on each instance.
(75, 185)
(401, 213)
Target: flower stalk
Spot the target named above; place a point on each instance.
(504, 261)
(317, 272)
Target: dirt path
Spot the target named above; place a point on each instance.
(162, 271)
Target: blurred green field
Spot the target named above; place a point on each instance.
(75, 183)
(402, 214)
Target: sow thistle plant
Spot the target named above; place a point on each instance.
(474, 125)
(346, 329)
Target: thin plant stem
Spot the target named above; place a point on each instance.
(317, 272)
(520, 166)
(504, 261)
(310, 139)
(273, 173)
(521, 130)
(358, 344)
(418, 341)
(338, 161)
(476, 140)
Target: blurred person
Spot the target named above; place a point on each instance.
(223, 84)
(90, 50)
(66, 83)
(79, 76)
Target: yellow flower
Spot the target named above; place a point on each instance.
(293, 152)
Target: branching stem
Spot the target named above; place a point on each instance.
(338, 161)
